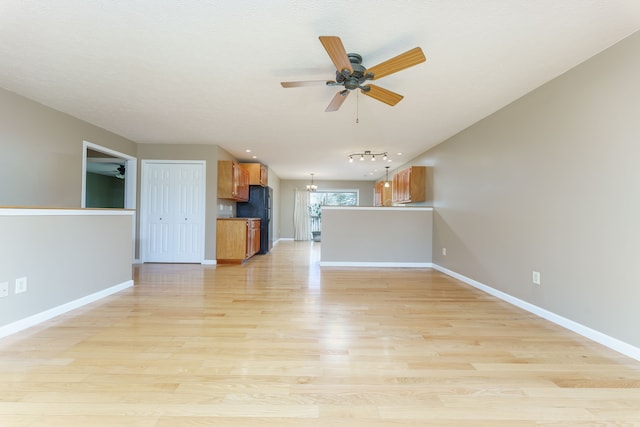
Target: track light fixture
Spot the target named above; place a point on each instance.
(368, 153)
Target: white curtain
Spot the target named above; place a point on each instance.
(301, 216)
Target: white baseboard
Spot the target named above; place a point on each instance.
(613, 343)
(375, 264)
(209, 262)
(35, 319)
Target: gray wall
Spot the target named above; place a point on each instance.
(287, 189)
(42, 153)
(64, 257)
(550, 183)
(104, 191)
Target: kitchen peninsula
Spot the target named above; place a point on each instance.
(377, 236)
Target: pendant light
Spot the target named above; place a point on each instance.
(386, 181)
(312, 187)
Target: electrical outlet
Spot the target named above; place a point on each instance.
(21, 285)
(535, 277)
(4, 289)
(444, 251)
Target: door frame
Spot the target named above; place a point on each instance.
(130, 181)
(144, 238)
(130, 174)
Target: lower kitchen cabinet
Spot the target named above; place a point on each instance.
(237, 239)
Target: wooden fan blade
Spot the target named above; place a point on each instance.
(334, 47)
(306, 83)
(384, 95)
(337, 101)
(404, 60)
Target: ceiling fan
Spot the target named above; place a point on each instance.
(120, 172)
(351, 74)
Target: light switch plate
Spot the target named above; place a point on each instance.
(21, 285)
(535, 277)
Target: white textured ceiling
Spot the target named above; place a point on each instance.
(208, 72)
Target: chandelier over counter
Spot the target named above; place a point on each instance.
(368, 154)
(312, 187)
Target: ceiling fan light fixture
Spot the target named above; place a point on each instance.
(120, 172)
(351, 74)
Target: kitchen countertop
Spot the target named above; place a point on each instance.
(238, 219)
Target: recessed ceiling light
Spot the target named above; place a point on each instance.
(255, 157)
(247, 151)
(399, 154)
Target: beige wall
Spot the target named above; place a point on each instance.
(550, 183)
(42, 153)
(287, 188)
(65, 256)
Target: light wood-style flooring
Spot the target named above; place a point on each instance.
(281, 342)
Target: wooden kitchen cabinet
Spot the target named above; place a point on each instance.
(233, 181)
(382, 196)
(258, 173)
(237, 239)
(410, 185)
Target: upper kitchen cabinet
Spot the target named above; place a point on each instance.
(258, 173)
(409, 185)
(382, 196)
(233, 181)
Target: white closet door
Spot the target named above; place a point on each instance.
(173, 195)
(158, 214)
(189, 227)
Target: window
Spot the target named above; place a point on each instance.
(328, 198)
(334, 198)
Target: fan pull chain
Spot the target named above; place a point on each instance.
(357, 107)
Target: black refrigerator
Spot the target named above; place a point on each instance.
(259, 206)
